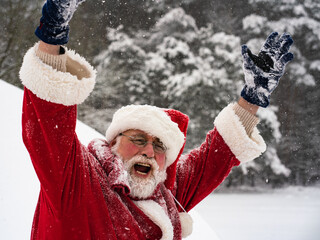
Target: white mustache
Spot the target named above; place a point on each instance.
(144, 188)
(128, 165)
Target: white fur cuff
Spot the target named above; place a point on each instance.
(67, 88)
(229, 126)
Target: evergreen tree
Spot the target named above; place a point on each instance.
(15, 18)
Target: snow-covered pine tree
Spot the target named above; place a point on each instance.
(15, 18)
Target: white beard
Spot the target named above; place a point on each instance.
(140, 187)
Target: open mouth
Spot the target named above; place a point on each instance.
(142, 168)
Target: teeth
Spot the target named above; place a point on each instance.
(142, 173)
(144, 164)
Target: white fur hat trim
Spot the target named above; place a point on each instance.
(152, 120)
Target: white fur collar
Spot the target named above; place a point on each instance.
(157, 214)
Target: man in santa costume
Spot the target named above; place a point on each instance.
(135, 184)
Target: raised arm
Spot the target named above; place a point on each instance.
(235, 138)
(55, 81)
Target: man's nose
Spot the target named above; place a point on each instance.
(148, 150)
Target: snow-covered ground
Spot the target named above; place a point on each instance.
(290, 214)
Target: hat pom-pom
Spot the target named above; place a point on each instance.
(186, 224)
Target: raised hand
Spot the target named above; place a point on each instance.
(54, 23)
(262, 72)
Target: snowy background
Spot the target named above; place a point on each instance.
(288, 214)
(186, 55)
(183, 54)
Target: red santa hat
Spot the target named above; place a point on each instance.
(169, 125)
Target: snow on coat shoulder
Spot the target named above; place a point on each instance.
(67, 88)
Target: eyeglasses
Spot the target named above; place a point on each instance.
(141, 142)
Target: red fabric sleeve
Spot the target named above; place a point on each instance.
(49, 135)
(203, 169)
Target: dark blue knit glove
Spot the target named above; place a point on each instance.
(262, 72)
(54, 23)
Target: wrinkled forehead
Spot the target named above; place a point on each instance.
(140, 133)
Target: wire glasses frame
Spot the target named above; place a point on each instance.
(141, 142)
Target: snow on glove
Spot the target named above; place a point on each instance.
(262, 72)
(54, 23)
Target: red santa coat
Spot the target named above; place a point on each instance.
(84, 193)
